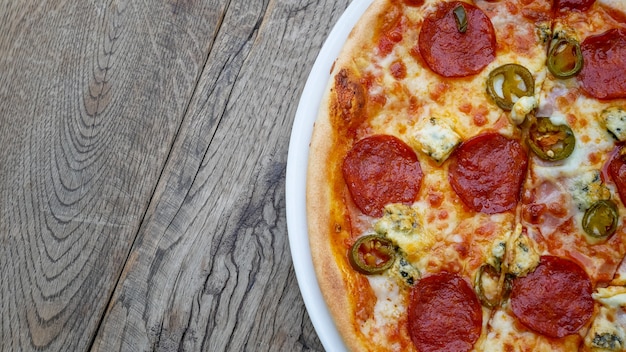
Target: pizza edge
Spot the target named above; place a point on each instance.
(322, 197)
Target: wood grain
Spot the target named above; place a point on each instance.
(142, 173)
(223, 236)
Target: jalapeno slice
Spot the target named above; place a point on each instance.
(565, 59)
(516, 81)
(493, 274)
(549, 141)
(372, 254)
(600, 220)
(461, 18)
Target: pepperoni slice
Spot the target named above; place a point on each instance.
(414, 2)
(555, 299)
(444, 314)
(604, 67)
(451, 53)
(379, 170)
(575, 5)
(487, 173)
(617, 170)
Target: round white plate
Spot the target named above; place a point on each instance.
(297, 162)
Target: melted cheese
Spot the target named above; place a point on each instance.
(614, 119)
(568, 187)
(587, 188)
(522, 107)
(435, 138)
(390, 307)
(390, 304)
(608, 330)
(506, 334)
(423, 94)
(403, 225)
(523, 256)
(612, 296)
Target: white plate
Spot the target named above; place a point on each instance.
(297, 161)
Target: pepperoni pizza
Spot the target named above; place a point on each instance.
(466, 186)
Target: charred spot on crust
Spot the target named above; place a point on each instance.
(349, 102)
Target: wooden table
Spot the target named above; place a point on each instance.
(143, 147)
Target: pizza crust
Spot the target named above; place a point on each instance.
(323, 171)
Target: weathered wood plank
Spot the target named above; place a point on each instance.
(211, 267)
(92, 95)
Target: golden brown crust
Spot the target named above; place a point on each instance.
(343, 100)
(321, 199)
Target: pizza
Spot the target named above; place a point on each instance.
(466, 185)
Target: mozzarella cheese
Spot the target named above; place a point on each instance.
(522, 107)
(608, 330)
(504, 334)
(390, 307)
(612, 296)
(592, 145)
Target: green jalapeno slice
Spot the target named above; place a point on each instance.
(493, 274)
(517, 82)
(461, 18)
(372, 254)
(549, 141)
(600, 220)
(565, 58)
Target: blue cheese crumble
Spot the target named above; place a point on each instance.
(614, 119)
(587, 188)
(607, 330)
(402, 224)
(524, 258)
(435, 138)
